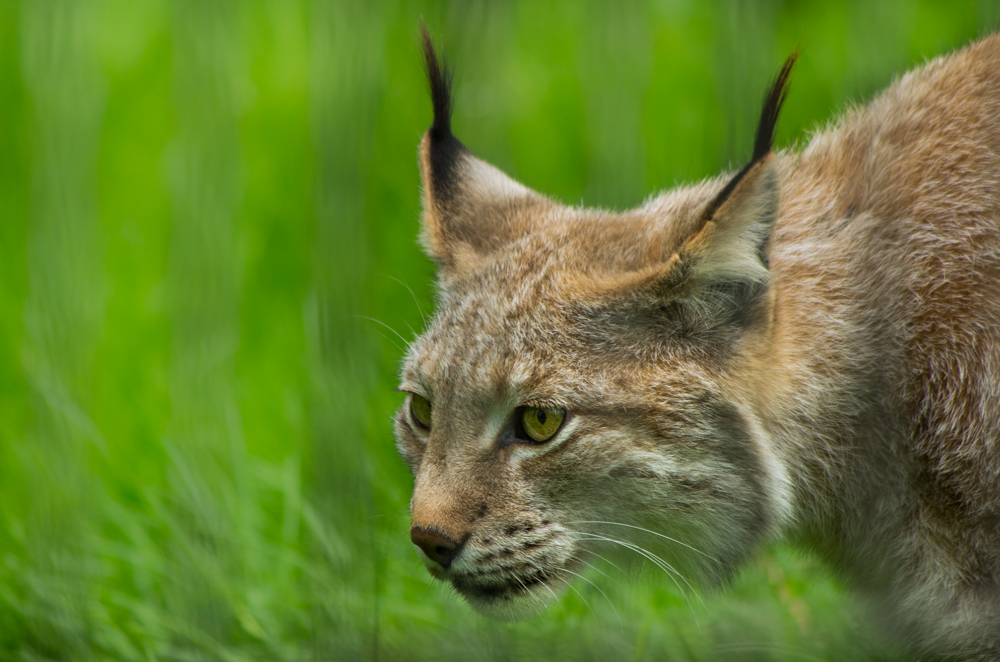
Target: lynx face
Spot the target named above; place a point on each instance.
(568, 398)
(648, 442)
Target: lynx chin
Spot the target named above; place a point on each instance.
(806, 349)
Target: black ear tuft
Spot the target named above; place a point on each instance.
(440, 77)
(765, 133)
(441, 150)
(772, 107)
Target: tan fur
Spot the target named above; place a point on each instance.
(845, 395)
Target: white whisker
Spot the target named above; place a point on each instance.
(608, 562)
(527, 590)
(668, 569)
(415, 300)
(620, 624)
(596, 569)
(660, 535)
(657, 560)
(573, 588)
(372, 319)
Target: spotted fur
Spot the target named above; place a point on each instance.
(809, 349)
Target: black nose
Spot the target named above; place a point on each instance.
(435, 544)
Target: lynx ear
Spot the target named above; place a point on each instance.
(470, 207)
(721, 269)
(719, 274)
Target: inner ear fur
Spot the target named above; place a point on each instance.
(731, 245)
(719, 276)
(470, 207)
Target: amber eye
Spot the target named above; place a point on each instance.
(540, 423)
(420, 409)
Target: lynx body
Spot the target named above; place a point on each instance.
(808, 349)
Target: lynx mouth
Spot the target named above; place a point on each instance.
(491, 589)
(511, 599)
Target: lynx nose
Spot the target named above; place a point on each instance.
(435, 544)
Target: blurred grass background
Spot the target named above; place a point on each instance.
(208, 270)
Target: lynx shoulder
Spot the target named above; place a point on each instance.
(807, 349)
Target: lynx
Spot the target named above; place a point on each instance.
(807, 349)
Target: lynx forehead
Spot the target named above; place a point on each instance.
(807, 348)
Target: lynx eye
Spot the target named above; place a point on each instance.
(540, 423)
(420, 410)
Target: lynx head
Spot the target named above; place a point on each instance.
(578, 387)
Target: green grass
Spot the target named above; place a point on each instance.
(208, 270)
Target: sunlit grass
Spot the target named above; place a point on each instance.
(208, 272)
